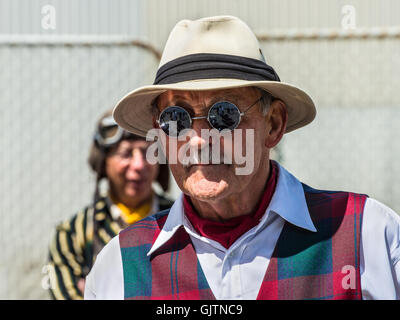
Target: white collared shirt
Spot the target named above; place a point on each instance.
(237, 272)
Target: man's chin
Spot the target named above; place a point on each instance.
(205, 190)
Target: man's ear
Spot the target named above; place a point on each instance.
(276, 123)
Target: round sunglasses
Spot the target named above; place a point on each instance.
(222, 115)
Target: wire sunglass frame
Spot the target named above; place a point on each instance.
(241, 114)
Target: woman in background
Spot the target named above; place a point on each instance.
(119, 157)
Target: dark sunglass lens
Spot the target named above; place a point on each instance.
(224, 115)
(173, 120)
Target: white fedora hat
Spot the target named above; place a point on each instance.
(207, 54)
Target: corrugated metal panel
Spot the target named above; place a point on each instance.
(264, 15)
(73, 16)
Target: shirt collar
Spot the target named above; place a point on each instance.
(288, 201)
(174, 221)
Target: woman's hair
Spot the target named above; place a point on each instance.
(99, 150)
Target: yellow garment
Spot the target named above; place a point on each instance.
(132, 215)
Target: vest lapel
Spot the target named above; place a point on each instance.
(176, 271)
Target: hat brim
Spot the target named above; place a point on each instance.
(134, 112)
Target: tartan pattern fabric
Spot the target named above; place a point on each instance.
(304, 265)
(172, 273)
(308, 265)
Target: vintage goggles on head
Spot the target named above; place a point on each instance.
(222, 115)
(109, 133)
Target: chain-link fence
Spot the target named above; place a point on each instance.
(55, 89)
(53, 92)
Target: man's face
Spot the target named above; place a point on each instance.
(129, 173)
(215, 181)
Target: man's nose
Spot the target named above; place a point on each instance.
(198, 138)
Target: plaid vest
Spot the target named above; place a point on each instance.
(304, 265)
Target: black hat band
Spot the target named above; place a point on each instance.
(214, 66)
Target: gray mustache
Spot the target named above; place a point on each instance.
(204, 156)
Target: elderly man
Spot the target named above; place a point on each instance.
(232, 234)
